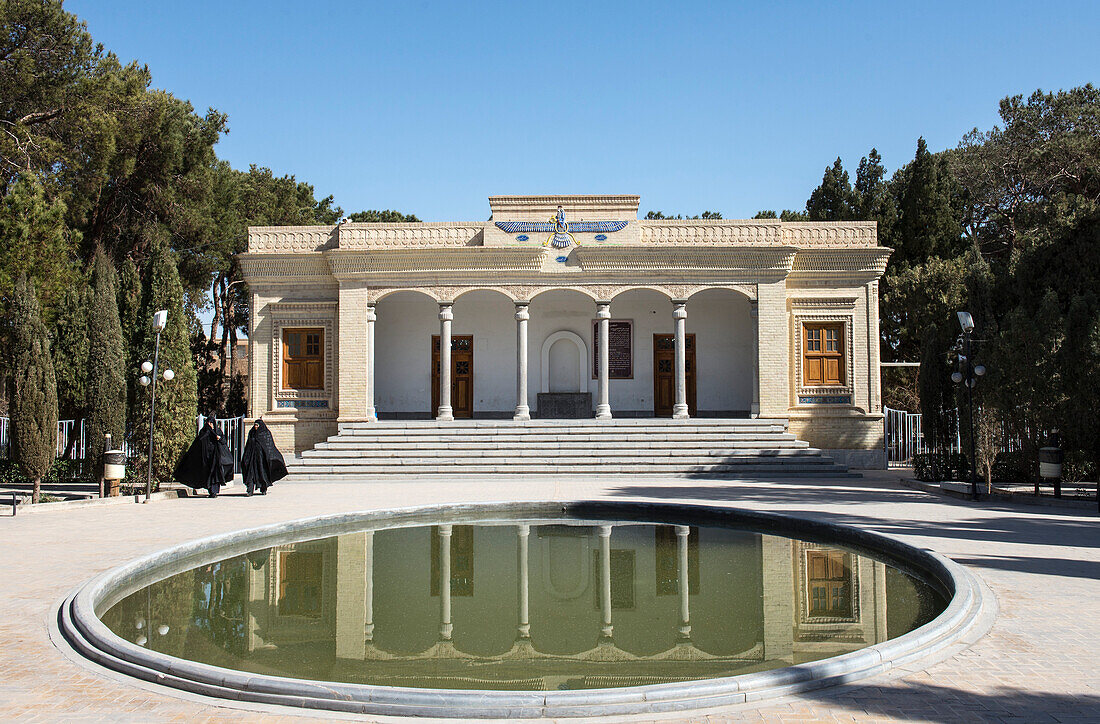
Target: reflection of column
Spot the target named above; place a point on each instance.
(372, 415)
(754, 336)
(605, 579)
(682, 533)
(368, 587)
(353, 593)
(603, 403)
(445, 627)
(446, 315)
(679, 317)
(523, 534)
(777, 582)
(523, 411)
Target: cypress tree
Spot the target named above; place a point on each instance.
(834, 199)
(928, 223)
(129, 308)
(33, 389)
(106, 363)
(70, 353)
(176, 400)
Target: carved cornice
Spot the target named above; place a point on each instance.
(461, 262)
(707, 232)
(304, 268)
(406, 235)
(757, 260)
(862, 265)
(291, 239)
(526, 292)
(844, 234)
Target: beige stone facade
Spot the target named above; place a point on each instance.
(377, 292)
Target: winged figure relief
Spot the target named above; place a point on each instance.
(559, 229)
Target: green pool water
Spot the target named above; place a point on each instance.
(527, 606)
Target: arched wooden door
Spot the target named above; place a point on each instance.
(462, 375)
(664, 373)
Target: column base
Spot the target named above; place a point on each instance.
(754, 410)
(523, 412)
(445, 414)
(680, 411)
(603, 412)
(372, 415)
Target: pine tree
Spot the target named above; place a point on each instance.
(176, 400)
(33, 388)
(106, 363)
(834, 199)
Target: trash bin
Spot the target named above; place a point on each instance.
(114, 471)
(1050, 462)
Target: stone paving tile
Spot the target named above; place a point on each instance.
(1039, 662)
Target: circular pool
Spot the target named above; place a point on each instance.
(522, 610)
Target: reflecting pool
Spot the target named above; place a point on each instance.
(534, 605)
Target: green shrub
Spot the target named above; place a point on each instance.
(1013, 467)
(934, 467)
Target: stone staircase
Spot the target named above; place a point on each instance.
(479, 448)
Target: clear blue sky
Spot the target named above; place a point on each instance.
(734, 107)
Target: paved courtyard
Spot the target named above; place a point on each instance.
(1040, 662)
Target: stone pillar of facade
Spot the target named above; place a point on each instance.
(523, 411)
(368, 585)
(351, 352)
(773, 351)
(873, 368)
(371, 318)
(446, 316)
(352, 609)
(754, 321)
(523, 626)
(446, 629)
(603, 401)
(679, 318)
(605, 581)
(682, 533)
(777, 582)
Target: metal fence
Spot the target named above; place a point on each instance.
(230, 428)
(904, 437)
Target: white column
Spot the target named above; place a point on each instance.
(445, 627)
(682, 533)
(679, 318)
(523, 411)
(605, 580)
(368, 565)
(372, 317)
(754, 320)
(603, 402)
(523, 534)
(446, 316)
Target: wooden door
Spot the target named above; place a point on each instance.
(664, 373)
(462, 375)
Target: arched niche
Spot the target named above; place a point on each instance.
(566, 337)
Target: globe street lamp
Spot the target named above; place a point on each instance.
(968, 374)
(160, 320)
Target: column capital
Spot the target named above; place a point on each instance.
(445, 529)
(679, 309)
(683, 531)
(603, 310)
(605, 531)
(371, 314)
(522, 313)
(446, 311)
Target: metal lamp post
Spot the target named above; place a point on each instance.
(160, 320)
(968, 374)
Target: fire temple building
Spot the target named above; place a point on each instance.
(567, 308)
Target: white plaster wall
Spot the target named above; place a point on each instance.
(491, 318)
(403, 333)
(723, 356)
(553, 311)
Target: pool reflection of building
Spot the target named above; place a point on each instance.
(651, 599)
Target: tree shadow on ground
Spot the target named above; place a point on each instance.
(916, 701)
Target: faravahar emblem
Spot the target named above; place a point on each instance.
(559, 229)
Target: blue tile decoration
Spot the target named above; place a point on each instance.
(291, 404)
(825, 400)
(601, 237)
(562, 259)
(522, 237)
(559, 228)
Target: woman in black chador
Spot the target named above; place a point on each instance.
(207, 463)
(262, 463)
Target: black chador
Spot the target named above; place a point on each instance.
(262, 463)
(208, 463)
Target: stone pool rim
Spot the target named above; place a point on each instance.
(79, 622)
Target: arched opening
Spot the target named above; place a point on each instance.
(402, 364)
(724, 340)
(564, 363)
(561, 329)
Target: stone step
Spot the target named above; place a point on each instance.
(645, 441)
(524, 451)
(350, 473)
(515, 429)
(582, 438)
(571, 423)
(587, 460)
